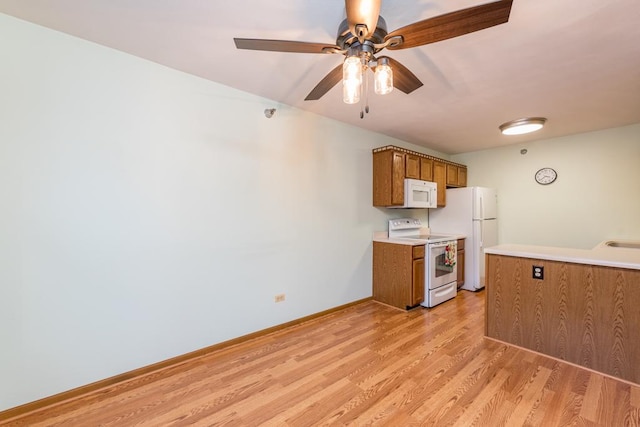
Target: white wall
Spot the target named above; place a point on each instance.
(596, 195)
(147, 213)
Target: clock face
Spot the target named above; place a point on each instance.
(546, 176)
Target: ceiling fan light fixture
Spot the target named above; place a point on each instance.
(365, 31)
(351, 78)
(522, 126)
(383, 77)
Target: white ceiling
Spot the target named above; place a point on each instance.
(576, 62)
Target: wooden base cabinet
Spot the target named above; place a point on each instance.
(398, 274)
(460, 262)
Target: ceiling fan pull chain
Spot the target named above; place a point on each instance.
(366, 90)
(363, 87)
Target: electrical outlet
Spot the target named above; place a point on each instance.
(538, 272)
(279, 298)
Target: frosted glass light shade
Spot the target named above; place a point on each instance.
(522, 126)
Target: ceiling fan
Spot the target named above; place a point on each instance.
(364, 33)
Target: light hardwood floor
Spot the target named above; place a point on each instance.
(369, 364)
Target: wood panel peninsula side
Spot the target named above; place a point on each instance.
(582, 307)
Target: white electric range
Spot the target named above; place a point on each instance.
(441, 270)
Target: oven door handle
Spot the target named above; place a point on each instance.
(439, 244)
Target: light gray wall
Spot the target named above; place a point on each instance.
(596, 195)
(147, 213)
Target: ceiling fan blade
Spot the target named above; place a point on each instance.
(285, 46)
(403, 79)
(329, 81)
(362, 12)
(452, 24)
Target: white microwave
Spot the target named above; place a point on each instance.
(419, 194)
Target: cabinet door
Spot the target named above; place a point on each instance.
(460, 263)
(462, 176)
(440, 177)
(418, 281)
(412, 166)
(388, 178)
(393, 274)
(456, 176)
(397, 179)
(452, 176)
(426, 169)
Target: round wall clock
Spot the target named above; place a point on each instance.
(546, 176)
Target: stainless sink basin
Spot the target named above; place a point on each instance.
(622, 244)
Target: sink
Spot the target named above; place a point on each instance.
(622, 244)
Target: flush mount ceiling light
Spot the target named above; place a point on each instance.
(524, 125)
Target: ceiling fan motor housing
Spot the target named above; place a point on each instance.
(345, 39)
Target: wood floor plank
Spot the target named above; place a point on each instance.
(635, 397)
(385, 408)
(315, 408)
(591, 401)
(368, 364)
(448, 390)
(562, 382)
(480, 407)
(527, 399)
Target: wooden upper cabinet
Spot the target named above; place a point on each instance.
(440, 177)
(456, 176)
(412, 166)
(392, 165)
(388, 178)
(426, 169)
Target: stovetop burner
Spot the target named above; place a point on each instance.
(431, 238)
(411, 228)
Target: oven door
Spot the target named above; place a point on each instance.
(442, 265)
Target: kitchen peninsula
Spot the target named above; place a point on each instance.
(573, 304)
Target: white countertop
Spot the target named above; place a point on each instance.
(600, 255)
(383, 236)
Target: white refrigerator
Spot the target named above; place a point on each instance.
(471, 211)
